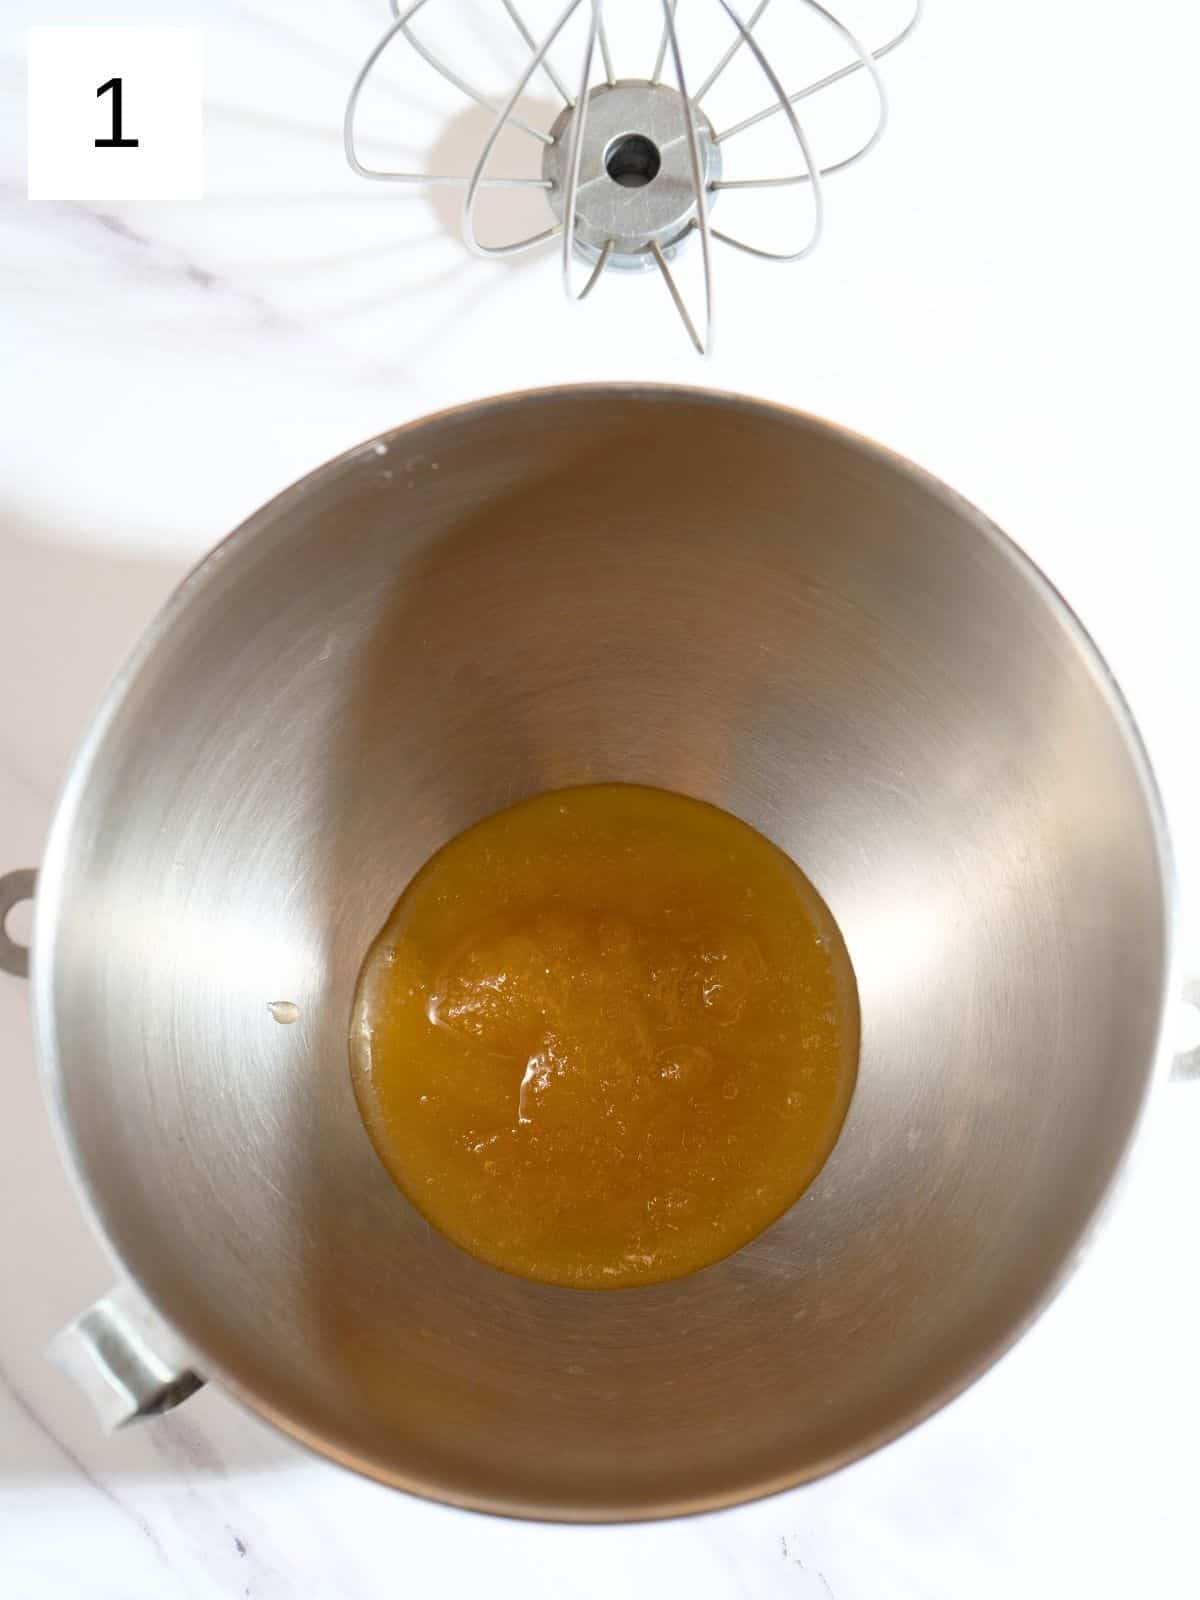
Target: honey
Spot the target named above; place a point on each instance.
(606, 1037)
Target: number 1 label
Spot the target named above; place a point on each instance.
(115, 141)
(116, 113)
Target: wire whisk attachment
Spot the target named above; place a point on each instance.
(632, 167)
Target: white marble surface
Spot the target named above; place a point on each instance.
(1007, 294)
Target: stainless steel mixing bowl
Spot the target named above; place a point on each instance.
(671, 588)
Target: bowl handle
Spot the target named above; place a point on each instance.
(14, 888)
(126, 1360)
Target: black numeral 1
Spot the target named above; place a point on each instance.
(115, 141)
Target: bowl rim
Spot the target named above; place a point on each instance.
(51, 882)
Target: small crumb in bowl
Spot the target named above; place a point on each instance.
(284, 1010)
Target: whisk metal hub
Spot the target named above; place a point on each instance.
(636, 188)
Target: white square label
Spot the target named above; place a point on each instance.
(116, 114)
